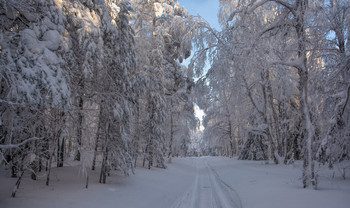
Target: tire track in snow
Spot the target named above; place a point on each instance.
(208, 190)
(229, 195)
(189, 198)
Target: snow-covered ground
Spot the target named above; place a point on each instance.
(187, 182)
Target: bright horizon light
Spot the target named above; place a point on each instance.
(199, 113)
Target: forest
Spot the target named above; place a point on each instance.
(105, 83)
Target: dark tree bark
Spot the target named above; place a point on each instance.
(15, 189)
(170, 155)
(104, 167)
(97, 140)
(60, 152)
(79, 127)
(49, 168)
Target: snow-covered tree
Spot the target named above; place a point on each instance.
(55, 51)
(277, 51)
(163, 39)
(34, 84)
(334, 148)
(114, 90)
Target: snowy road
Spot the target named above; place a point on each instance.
(208, 190)
(187, 182)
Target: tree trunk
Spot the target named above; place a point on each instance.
(99, 129)
(276, 126)
(308, 163)
(104, 167)
(49, 168)
(79, 128)
(144, 161)
(307, 126)
(103, 174)
(171, 137)
(237, 139)
(60, 152)
(87, 182)
(271, 147)
(149, 152)
(136, 137)
(14, 191)
(13, 167)
(93, 166)
(231, 138)
(34, 167)
(40, 164)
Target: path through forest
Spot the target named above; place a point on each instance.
(187, 182)
(208, 190)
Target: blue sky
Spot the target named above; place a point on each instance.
(207, 9)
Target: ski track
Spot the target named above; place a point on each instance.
(208, 190)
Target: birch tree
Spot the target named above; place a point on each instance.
(334, 147)
(290, 19)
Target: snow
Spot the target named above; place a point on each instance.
(187, 182)
(58, 3)
(31, 41)
(50, 57)
(115, 7)
(52, 39)
(158, 9)
(10, 11)
(268, 185)
(29, 15)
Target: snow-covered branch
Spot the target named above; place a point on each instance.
(253, 7)
(10, 146)
(297, 63)
(249, 10)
